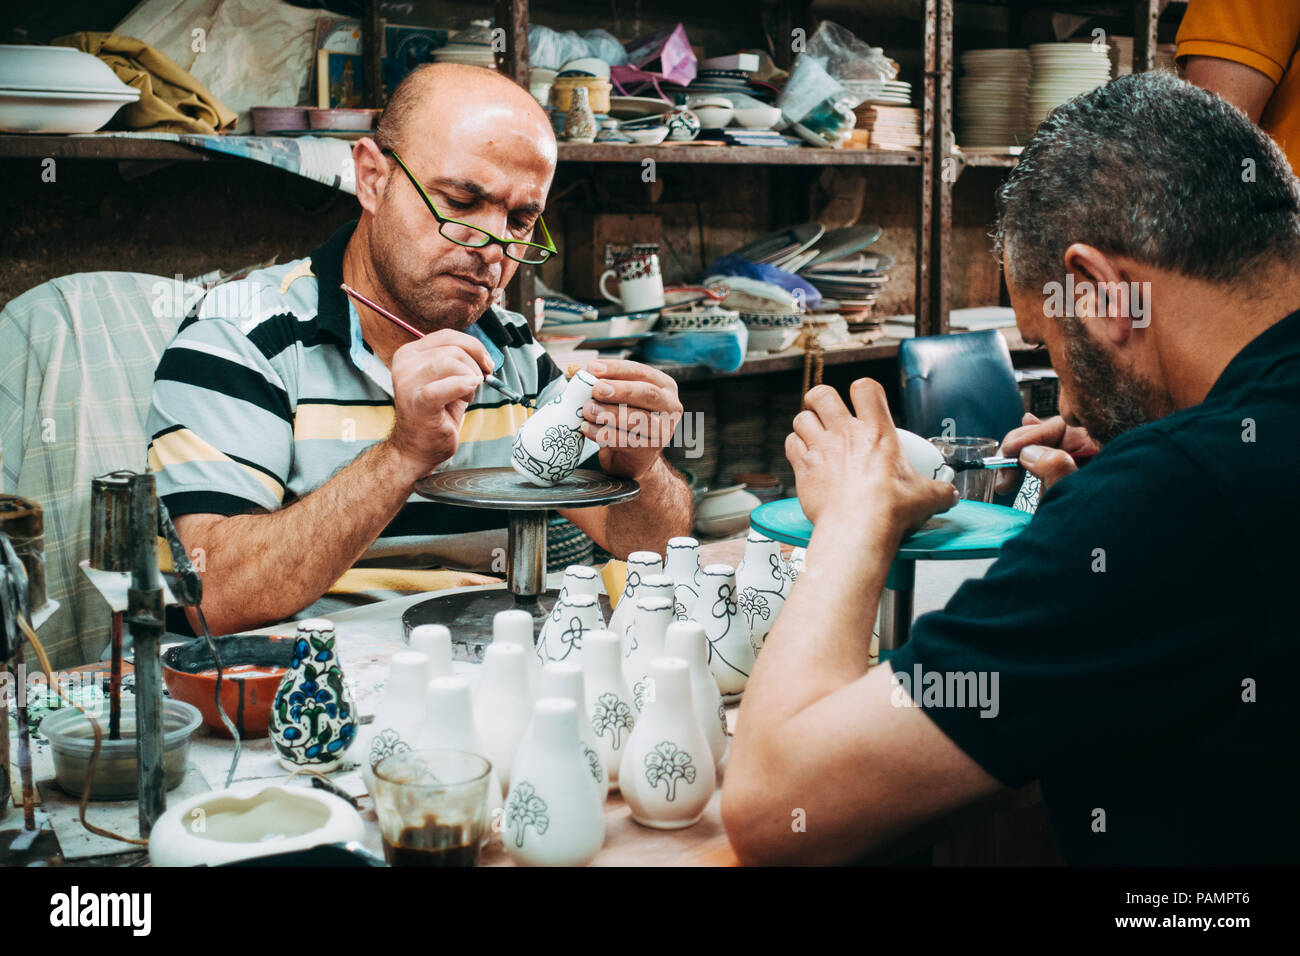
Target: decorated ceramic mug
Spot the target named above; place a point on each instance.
(640, 285)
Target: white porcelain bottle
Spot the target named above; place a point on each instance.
(640, 565)
(400, 714)
(686, 639)
(579, 616)
(731, 656)
(503, 704)
(515, 626)
(434, 641)
(564, 679)
(578, 579)
(654, 612)
(763, 584)
(553, 815)
(651, 586)
(449, 725)
(610, 710)
(548, 447)
(682, 565)
(667, 774)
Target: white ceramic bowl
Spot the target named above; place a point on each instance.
(588, 64)
(725, 511)
(649, 136)
(770, 340)
(250, 820)
(56, 68)
(757, 117)
(714, 117)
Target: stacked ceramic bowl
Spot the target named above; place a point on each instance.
(771, 331)
(893, 93)
(1062, 71)
(993, 98)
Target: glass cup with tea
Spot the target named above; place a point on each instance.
(432, 807)
(973, 484)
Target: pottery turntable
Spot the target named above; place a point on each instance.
(469, 614)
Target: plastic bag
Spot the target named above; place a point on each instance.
(835, 73)
(551, 49)
(722, 350)
(666, 55)
(603, 44)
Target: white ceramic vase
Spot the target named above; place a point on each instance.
(578, 579)
(399, 717)
(502, 704)
(667, 774)
(564, 679)
(763, 584)
(548, 447)
(686, 640)
(731, 656)
(682, 565)
(795, 565)
(553, 815)
(923, 456)
(579, 616)
(434, 642)
(515, 626)
(640, 565)
(653, 586)
(610, 709)
(449, 725)
(654, 613)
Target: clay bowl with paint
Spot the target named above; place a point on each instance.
(252, 667)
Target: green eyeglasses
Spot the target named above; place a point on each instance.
(467, 234)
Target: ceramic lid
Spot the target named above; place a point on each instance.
(58, 69)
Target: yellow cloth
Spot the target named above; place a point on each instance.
(171, 100)
(1263, 34)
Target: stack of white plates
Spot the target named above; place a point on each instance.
(468, 53)
(893, 93)
(1062, 71)
(993, 97)
(56, 89)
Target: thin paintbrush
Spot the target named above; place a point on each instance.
(491, 380)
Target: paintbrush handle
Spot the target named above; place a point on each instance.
(996, 461)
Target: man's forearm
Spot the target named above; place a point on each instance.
(821, 639)
(664, 509)
(263, 568)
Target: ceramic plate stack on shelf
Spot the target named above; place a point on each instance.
(893, 93)
(849, 279)
(890, 127)
(993, 98)
(1062, 71)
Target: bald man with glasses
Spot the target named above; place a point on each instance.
(289, 424)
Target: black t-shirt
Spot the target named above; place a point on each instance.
(1143, 632)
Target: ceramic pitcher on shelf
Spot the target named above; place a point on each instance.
(399, 717)
(553, 814)
(503, 704)
(654, 612)
(667, 774)
(731, 656)
(548, 447)
(640, 564)
(565, 679)
(763, 583)
(313, 718)
(578, 579)
(610, 709)
(686, 639)
(434, 642)
(682, 566)
(579, 616)
(515, 626)
(449, 725)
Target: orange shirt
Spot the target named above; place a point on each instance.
(1263, 34)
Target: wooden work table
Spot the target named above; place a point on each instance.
(1009, 828)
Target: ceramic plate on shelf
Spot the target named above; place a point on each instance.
(838, 243)
(782, 243)
(634, 107)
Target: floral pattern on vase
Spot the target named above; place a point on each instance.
(730, 653)
(612, 716)
(313, 719)
(763, 581)
(666, 764)
(526, 809)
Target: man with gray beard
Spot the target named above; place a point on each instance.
(1142, 626)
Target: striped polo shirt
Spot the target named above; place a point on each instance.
(268, 389)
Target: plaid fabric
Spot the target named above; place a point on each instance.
(77, 356)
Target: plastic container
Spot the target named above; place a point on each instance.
(71, 741)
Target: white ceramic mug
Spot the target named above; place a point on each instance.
(640, 284)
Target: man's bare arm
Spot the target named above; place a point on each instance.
(1243, 86)
(663, 510)
(264, 567)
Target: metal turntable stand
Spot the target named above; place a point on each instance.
(469, 615)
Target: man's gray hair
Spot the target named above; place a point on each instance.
(1155, 169)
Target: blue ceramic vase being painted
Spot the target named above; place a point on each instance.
(313, 719)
